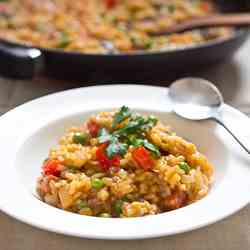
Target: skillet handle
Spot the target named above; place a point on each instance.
(20, 62)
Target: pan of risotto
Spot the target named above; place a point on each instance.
(94, 39)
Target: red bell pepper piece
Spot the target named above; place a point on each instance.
(143, 158)
(103, 159)
(110, 3)
(93, 128)
(52, 167)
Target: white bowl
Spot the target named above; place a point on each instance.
(28, 132)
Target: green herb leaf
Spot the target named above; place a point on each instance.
(151, 122)
(137, 123)
(138, 142)
(131, 126)
(144, 142)
(151, 147)
(104, 136)
(185, 167)
(121, 115)
(116, 148)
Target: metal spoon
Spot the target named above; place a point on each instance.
(199, 99)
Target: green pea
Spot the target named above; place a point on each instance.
(149, 44)
(97, 183)
(80, 204)
(64, 41)
(185, 167)
(105, 215)
(79, 138)
(125, 199)
(171, 8)
(118, 206)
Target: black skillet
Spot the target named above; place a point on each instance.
(26, 62)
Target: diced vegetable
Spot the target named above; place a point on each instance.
(105, 215)
(185, 167)
(171, 8)
(103, 159)
(148, 44)
(176, 200)
(52, 167)
(205, 6)
(110, 3)
(118, 207)
(93, 128)
(144, 142)
(80, 138)
(64, 41)
(80, 204)
(86, 211)
(143, 158)
(97, 183)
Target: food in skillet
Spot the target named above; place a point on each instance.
(104, 26)
(123, 164)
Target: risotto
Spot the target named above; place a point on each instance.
(105, 26)
(123, 164)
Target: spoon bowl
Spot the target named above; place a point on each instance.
(199, 99)
(195, 98)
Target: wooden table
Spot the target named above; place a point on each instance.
(233, 79)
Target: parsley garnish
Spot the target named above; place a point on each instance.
(151, 147)
(104, 136)
(137, 123)
(120, 116)
(144, 142)
(131, 133)
(116, 148)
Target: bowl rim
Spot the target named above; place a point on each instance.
(150, 95)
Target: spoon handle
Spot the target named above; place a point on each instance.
(237, 19)
(237, 124)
